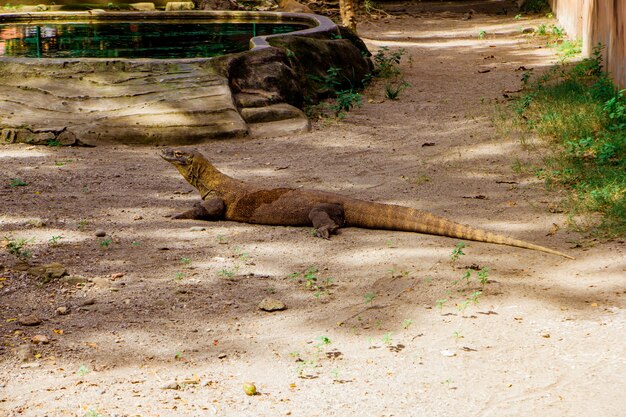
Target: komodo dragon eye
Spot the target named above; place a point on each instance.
(178, 154)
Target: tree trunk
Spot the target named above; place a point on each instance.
(347, 9)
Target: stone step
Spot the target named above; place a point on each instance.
(255, 98)
(279, 128)
(271, 113)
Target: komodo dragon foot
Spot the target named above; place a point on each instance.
(327, 219)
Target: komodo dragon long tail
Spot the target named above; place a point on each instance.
(227, 198)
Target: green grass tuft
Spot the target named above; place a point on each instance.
(581, 113)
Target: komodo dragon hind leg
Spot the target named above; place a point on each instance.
(212, 209)
(327, 218)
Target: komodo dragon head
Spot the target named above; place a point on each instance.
(187, 162)
(194, 167)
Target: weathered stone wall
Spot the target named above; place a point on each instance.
(597, 21)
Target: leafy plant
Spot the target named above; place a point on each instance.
(386, 62)
(346, 100)
(481, 34)
(406, 323)
(329, 81)
(54, 240)
(83, 370)
(106, 242)
(185, 261)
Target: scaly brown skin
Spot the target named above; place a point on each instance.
(230, 199)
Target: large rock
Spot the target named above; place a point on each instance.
(311, 58)
(267, 69)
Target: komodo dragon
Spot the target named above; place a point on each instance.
(227, 198)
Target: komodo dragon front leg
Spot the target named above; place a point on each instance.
(211, 209)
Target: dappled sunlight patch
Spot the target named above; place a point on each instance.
(23, 152)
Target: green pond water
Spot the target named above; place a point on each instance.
(159, 40)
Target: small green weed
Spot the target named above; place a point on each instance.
(83, 370)
(369, 298)
(105, 243)
(457, 252)
(82, 224)
(16, 247)
(393, 89)
(481, 34)
(185, 261)
(542, 30)
(17, 182)
(180, 275)
(557, 31)
(322, 342)
(406, 323)
(93, 413)
(54, 240)
(228, 272)
(313, 281)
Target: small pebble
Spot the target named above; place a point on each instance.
(249, 388)
(61, 311)
(271, 304)
(101, 233)
(30, 320)
(197, 228)
(40, 339)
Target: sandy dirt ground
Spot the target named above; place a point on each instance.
(161, 318)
